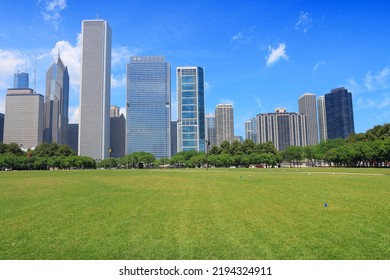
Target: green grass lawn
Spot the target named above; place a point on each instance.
(196, 214)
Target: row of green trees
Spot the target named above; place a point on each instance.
(370, 149)
(44, 156)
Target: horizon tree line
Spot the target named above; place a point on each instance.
(369, 149)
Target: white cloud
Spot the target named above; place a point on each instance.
(74, 114)
(237, 37)
(368, 103)
(377, 81)
(385, 102)
(122, 110)
(10, 62)
(118, 81)
(275, 54)
(2, 103)
(303, 22)
(317, 66)
(52, 11)
(121, 55)
(244, 36)
(71, 57)
(258, 102)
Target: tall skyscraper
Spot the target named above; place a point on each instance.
(251, 130)
(73, 136)
(94, 128)
(21, 80)
(173, 138)
(1, 127)
(339, 113)
(118, 136)
(224, 123)
(56, 103)
(283, 129)
(307, 106)
(23, 123)
(322, 118)
(191, 109)
(210, 130)
(148, 124)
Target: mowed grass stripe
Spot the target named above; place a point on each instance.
(194, 214)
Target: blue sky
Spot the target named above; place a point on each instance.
(257, 55)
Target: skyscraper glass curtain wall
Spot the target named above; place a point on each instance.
(191, 109)
(148, 122)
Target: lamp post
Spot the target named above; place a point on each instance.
(207, 152)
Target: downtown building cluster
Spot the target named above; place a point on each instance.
(327, 117)
(103, 132)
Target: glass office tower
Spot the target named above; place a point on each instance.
(21, 80)
(56, 103)
(191, 109)
(339, 113)
(148, 115)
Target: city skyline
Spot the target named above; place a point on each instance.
(261, 57)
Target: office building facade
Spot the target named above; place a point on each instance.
(339, 113)
(23, 123)
(224, 123)
(307, 106)
(114, 111)
(191, 109)
(73, 136)
(94, 127)
(1, 127)
(148, 112)
(118, 136)
(251, 130)
(21, 80)
(283, 129)
(322, 129)
(173, 138)
(56, 104)
(211, 136)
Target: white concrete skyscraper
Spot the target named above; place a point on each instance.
(94, 129)
(281, 128)
(322, 118)
(307, 106)
(224, 123)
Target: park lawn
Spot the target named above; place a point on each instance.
(196, 214)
